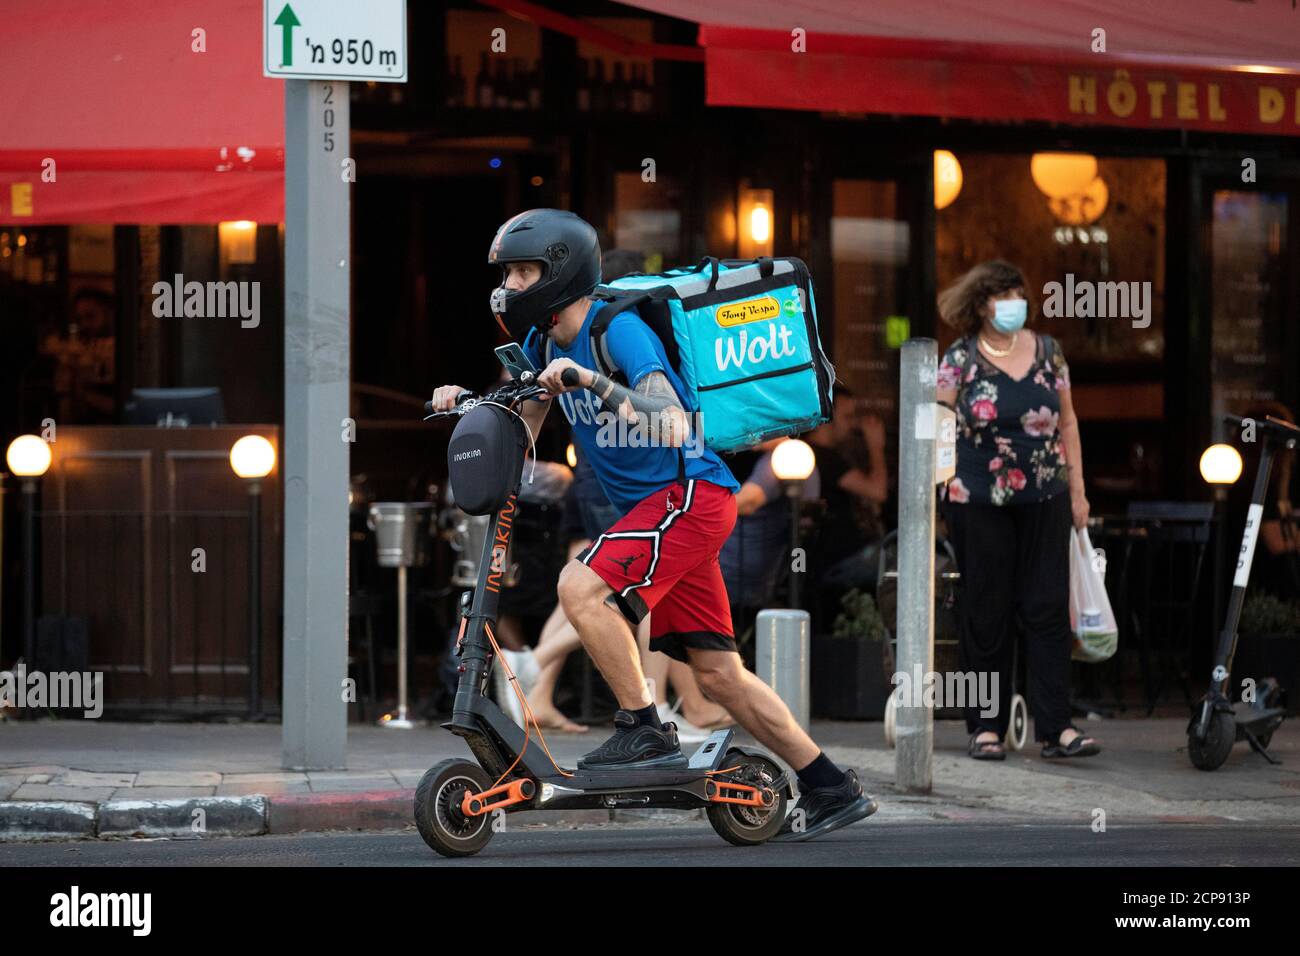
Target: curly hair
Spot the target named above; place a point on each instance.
(961, 305)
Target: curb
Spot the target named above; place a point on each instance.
(196, 816)
(46, 820)
(256, 815)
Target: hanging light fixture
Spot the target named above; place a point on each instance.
(947, 178)
(1061, 175)
(1084, 208)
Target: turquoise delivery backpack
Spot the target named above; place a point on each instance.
(742, 336)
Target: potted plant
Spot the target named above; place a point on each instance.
(848, 670)
(1268, 644)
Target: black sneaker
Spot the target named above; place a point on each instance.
(636, 746)
(823, 809)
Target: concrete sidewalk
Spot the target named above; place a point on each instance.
(79, 779)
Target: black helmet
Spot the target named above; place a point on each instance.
(569, 253)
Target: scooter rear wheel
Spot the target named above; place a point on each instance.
(743, 825)
(438, 816)
(1210, 753)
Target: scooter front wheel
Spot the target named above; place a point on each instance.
(1210, 753)
(438, 814)
(744, 825)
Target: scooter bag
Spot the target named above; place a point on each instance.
(485, 459)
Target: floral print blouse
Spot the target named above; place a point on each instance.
(1009, 447)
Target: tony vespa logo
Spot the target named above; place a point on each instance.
(209, 300)
(76, 908)
(753, 346)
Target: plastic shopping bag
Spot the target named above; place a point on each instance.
(1096, 635)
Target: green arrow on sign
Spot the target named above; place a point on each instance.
(287, 21)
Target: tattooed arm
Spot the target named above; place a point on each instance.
(653, 403)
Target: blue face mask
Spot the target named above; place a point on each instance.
(1009, 315)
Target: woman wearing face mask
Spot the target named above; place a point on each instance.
(1018, 489)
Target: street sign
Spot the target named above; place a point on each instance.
(334, 40)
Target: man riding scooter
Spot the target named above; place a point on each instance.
(678, 509)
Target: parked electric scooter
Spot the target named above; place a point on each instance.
(1217, 723)
(743, 790)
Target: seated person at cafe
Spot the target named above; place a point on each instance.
(753, 557)
(850, 452)
(84, 357)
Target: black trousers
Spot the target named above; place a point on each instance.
(1015, 573)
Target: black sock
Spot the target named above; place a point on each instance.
(648, 716)
(820, 773)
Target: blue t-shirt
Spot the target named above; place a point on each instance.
(628, 465)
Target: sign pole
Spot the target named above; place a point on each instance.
(916, 480)
(317, 380)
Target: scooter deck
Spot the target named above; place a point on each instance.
(707, 757)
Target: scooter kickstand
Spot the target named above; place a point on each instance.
(1256, 746)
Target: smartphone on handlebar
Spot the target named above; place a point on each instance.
(512, 356)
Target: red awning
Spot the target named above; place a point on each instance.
(140, 126)
(1181, 64)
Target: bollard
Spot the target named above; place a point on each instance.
(915, 626)
(394, 525)
(782, 644)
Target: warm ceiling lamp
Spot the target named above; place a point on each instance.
(237, 241)
(1083, 209)
(755, 219)
(1062, 175)
(947, 178)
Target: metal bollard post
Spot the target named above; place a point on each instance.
(782, 645)
(916, 472)
(394, 524)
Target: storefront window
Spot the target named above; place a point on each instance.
(647, 218)
(1247, 300)
(1102, 243)
(870, 253)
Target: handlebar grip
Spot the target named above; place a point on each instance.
(428, 408)
(569, 377)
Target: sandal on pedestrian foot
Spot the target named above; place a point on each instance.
(976, 748)
(1081, 746)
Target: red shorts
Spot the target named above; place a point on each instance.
(663, 556)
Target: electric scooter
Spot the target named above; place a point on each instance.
(743, 790)
(1217, 723)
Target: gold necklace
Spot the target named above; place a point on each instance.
(1001, 353)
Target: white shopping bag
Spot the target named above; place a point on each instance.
(1093, 622)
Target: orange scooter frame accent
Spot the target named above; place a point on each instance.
(516, 791)
(751, 796)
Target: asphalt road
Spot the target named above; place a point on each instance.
(695, 844)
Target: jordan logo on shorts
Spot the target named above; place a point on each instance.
(626, 562)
